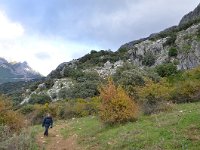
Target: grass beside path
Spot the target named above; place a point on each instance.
(178, 129)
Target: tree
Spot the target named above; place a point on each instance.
(116, 106)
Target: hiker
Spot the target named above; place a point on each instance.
(47, 122)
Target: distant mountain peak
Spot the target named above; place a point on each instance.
(16, 71)
(3, 60)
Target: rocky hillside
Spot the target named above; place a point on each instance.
(192, 16)
(177, 47)
(178, 44)
(16, 71)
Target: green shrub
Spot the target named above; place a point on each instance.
(116, 106)
(84, 87)
(130, 76)
(64, 93)
(66, 111)
(154, 96)
(165, 70)
(180, 88)
(122, 50)
(74, 73)
(83, 90)
(27, 109)
(129, 79)
(148, 59)
(186, 91)
(78, 108)
(39, 99)
(172, 52)
(170, 40)
(186, 49)
(49, 83)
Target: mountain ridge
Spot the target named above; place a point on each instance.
(191, 16)
(16, 71)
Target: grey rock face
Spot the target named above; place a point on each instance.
(59, 84)
(131, 44)
(108, 69)
(53, 92)
(188, 48)
(42, 86)
(193, 15)
(187, 43)
(59, 71)
(156, 48)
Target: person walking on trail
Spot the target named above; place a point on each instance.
(47, 122)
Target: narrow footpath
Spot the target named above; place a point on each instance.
(55, 140)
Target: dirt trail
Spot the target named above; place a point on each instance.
(55, 140)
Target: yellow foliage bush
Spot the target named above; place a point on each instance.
(159, 91)
(8, 117)
(186, 91)
(155, 96)
(180, 88)
(116, 106)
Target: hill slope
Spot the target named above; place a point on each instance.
(178, 129)
(177, 47)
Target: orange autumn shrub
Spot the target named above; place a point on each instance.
(116, 106)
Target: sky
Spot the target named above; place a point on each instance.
(46, 33)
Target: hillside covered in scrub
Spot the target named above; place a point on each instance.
(161, 54)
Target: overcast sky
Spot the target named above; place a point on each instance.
(46, 33)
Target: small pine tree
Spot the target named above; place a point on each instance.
(116, 106)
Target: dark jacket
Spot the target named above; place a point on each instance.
(47, 122)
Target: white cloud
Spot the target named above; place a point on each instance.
(16, 45)
(8, 29)
(27, 48)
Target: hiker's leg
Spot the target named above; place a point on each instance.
(46, 131)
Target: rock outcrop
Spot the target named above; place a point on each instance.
(193, 15)
(187, 43)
